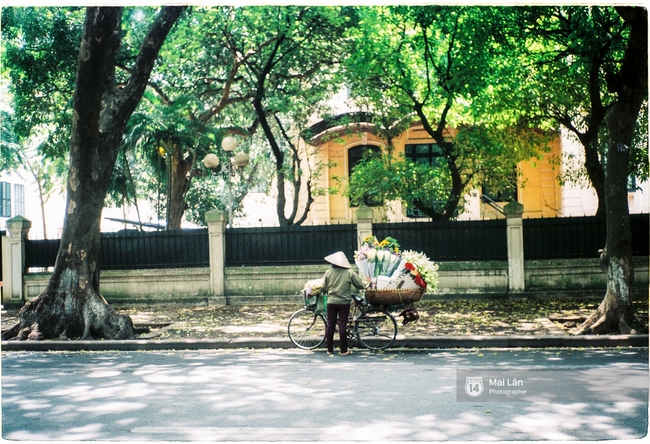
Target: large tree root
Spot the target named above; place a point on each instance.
(83, 316)
(608, 318)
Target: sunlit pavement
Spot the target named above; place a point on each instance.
(293, 395)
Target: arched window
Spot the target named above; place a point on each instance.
(426, 154)
(355, 155)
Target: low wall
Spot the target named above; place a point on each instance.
(577, 274)
(245, 285)
(458, 280)
(160, 286)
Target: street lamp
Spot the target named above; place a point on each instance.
(229, 144)
(211, 161)
(235, 163)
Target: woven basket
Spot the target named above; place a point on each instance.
(394, 297)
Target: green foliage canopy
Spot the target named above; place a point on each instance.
(445, 65)
(568, 57)
(290, 57)
(40, 49)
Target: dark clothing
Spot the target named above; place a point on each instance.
(339, 283)
(342, 311)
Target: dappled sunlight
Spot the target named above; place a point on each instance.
(293, 395)
(622, 385)
(150, 369)
(175, 376)
(126, 421)
(83, 393)
(461, 426)
(26, 404)
(622, 408)
(86, 433)
(262, 390)
(564, 421)
(258, 328)
(113, 407)
(73, 392)
(104, 374)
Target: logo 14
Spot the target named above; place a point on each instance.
(474, 385)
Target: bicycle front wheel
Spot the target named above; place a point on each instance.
(376, 329)
(307, 329)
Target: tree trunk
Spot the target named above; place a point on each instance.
(280, 174)
(631, 86)
(281, 202)
(451, 204)
(41, 195)
(596, 176)
(589, 139)
(71, 305)
(178, 183)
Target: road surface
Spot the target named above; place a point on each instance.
(294, 395)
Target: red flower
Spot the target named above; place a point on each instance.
(418, 280)
(409, 266)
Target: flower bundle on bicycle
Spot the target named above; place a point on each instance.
(397, 277)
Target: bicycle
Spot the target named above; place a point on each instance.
(371, 325)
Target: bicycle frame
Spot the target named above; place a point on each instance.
(371, 325)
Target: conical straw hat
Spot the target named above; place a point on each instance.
(338, 259)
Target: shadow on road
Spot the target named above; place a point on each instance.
(285, 395)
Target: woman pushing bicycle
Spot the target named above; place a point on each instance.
(337, 285)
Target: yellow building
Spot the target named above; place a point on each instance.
(341, 146)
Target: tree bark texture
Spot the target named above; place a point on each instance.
(71, 305)
(631, 86)
(178, 183)
(589, 139)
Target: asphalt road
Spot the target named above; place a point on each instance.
(294, 395)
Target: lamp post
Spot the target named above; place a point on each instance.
(234, 163)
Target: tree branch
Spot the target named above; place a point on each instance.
(132, 92)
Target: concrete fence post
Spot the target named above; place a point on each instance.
(217, 221)
(515, 237)
(13, 259)
(364, 215)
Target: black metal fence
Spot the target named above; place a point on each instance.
(288, 246)
(557, 238)
(577, 237)
(640, 226)
(41, 253)
(134, 250)
(451, 240)
(158, 249)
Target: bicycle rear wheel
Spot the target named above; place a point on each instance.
(307, 329)
(376, 329)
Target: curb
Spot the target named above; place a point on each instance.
(416, 342)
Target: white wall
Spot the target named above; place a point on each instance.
(260, 211)
(54, 208)
(581, 199)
